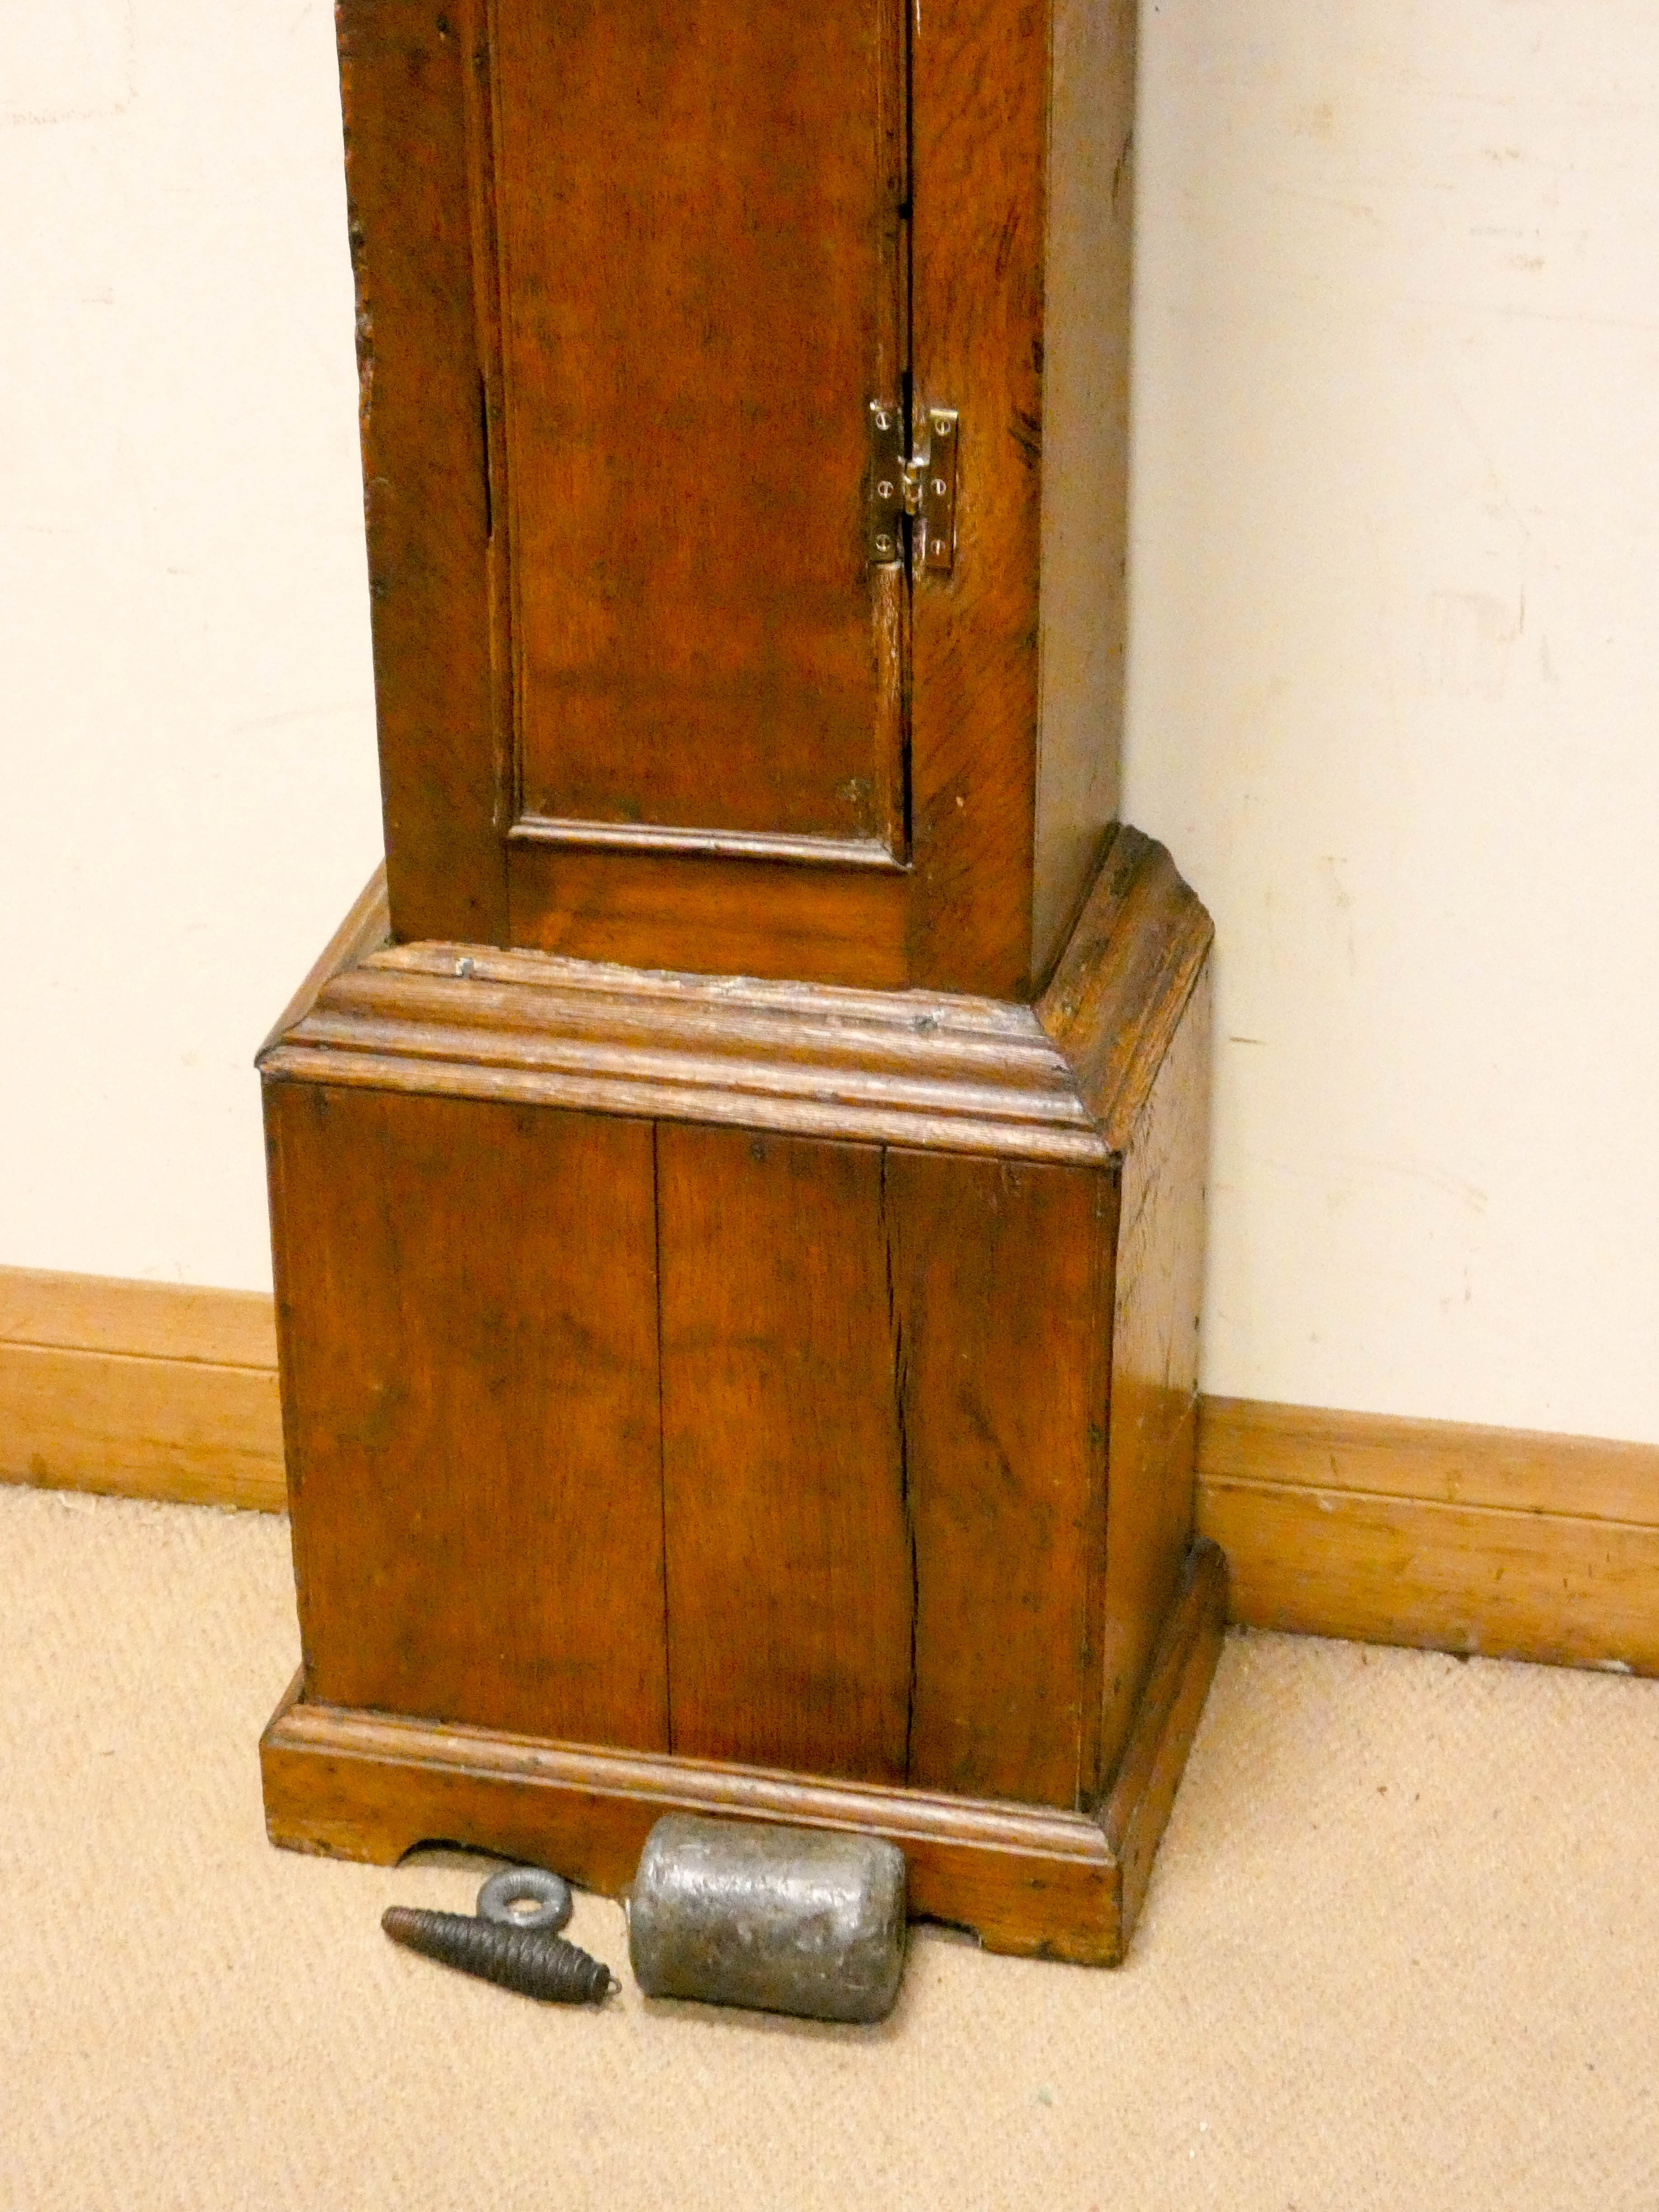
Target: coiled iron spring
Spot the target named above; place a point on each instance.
(527, 1960)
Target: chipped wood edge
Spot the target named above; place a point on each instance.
(366, 926)
(1436, 1533)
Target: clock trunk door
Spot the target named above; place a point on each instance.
(695, 220)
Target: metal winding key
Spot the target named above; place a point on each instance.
(527, 1960)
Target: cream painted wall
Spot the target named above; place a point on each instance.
(186, 719)
(1395, 685)
(1393, 699)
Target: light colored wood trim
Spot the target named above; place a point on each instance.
(1364, 1525)
(139, 1390)
(1508, 1542)
(1543, 1586)
(1441, 1463)
(151, 1321)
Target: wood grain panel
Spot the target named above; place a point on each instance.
(467, 1305)
(790, 1552)
(1508, 1585)
(980, 80)
(404, 74)
(1000, 1288)
(1086, 447)
(1154, 1389)
(737, 917)
(700, 227)
(1320, 1450)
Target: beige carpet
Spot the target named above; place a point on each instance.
(1401, 1950)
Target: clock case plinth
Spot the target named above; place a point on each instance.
(771, 1398)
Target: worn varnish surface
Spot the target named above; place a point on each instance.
(694, 911)
(404, 68)
(980, 105)
(1000, 1298)
(626, 281)
(698, 210)
(789, 1548)
(1129, 1006)
(922, 1068)
(1154, 1404)
(1166, 1716)
(1068, 1081)
(467, 1314)
(850, 1267)
(1086, 447)
(1125, 981)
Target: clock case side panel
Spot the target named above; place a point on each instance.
(405, 82)
(1085, 445)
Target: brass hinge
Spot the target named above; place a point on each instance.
(921, 485)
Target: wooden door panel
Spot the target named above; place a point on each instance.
(698, 217)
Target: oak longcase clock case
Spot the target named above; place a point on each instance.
(736, 1177)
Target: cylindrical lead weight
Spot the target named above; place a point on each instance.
(800, 1920)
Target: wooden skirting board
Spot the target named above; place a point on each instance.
(139, 1390)
(1518, 1545)
(1361, 1525)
